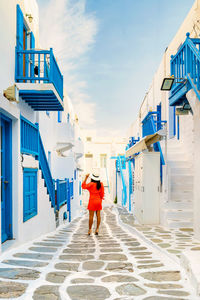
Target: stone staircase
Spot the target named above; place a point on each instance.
(177, 212)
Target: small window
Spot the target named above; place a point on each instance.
(88, 155)
(88, 139)
(29, 193)
(103, 160)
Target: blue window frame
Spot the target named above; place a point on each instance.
(29, 193)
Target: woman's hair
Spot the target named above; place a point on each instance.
(97, 182)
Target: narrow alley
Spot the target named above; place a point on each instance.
(100, 118)
(69, 264)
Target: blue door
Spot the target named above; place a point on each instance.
(6, 179)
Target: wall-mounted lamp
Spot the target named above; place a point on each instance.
(168, 82)
(12, 93)
(30, 17)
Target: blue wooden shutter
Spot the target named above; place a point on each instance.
(172, 121)
(19, 41)
(20, 24)
(29, 193)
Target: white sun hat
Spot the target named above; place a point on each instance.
(95, 175)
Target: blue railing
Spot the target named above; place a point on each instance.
(29, 137)
(31, 143)
(44, 166)
(150, 125)
(121, 164)
(130, 183)
(61, 188)
(132, 142)
(38, 66)
(186, 65)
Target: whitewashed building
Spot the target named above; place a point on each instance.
(100, 152)
(173, 118)
(41, 146)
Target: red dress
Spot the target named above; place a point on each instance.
(96, 196)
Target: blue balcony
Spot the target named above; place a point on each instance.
(39, 79)
(185, 66)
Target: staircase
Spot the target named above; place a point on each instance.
(177, 212)
(185, 67)
(31, 144)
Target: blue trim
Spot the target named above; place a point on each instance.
(59, 116)
(120, 166)
(42, 100)
(19, 26)
(130, 183)
(172, 121)
(178, 128)
(49, 159)
(7, 149)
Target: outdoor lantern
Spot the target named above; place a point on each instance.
(167, 84)
(30, 17)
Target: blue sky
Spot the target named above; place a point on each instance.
(122, 44)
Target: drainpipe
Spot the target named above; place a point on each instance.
(167, 174)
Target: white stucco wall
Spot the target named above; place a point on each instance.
(48, 126)
(186, 144)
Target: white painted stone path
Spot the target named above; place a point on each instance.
(68, 264)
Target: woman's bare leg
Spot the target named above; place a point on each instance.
(91, 215)
(98, 213)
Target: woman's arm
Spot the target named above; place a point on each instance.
(85, 185)
(102, 191)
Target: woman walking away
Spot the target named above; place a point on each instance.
(96, 190)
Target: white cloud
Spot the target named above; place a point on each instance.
(70, 31)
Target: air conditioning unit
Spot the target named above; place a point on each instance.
(12, 93)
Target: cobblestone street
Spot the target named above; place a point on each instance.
(68, 264)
